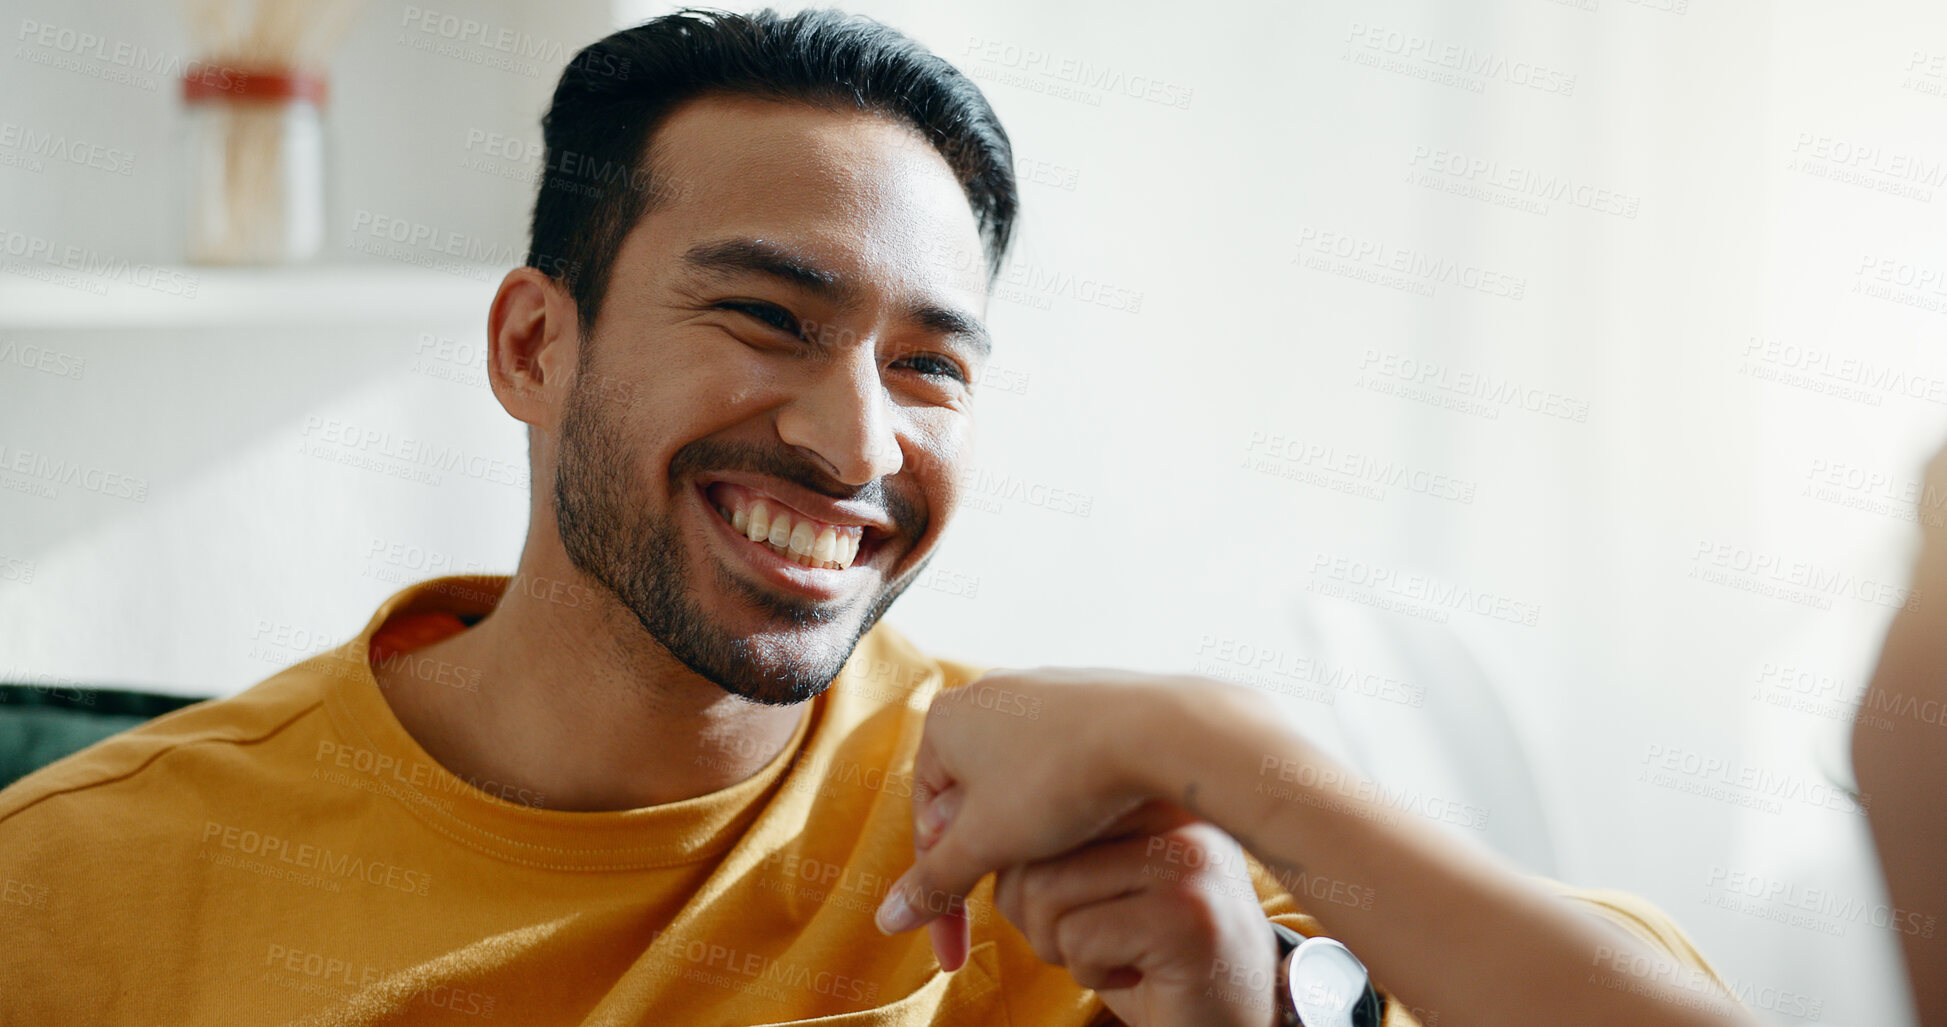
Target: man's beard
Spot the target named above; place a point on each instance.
(612, 534)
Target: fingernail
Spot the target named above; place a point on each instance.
(895, 913)
(935, 817)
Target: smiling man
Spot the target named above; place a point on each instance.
(662, 774)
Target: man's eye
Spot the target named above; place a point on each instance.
(769, 313)
(934, 367)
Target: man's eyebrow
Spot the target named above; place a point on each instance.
(728, 257)
(942, 321)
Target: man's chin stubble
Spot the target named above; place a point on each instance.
(642, 559)
(794, 659)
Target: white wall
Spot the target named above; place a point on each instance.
(1733, 165)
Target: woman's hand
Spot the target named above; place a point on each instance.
(1021, 765)
(1033, 775)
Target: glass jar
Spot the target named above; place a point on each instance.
(255, 164)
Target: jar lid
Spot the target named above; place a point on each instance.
(205, 83)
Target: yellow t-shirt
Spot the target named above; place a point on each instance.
(291, 856)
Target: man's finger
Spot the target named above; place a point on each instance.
(1034, 896)
(1106, 945)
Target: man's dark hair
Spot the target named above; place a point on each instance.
(614, 95)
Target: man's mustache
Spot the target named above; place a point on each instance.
(787, 465)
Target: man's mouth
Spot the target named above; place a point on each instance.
(766, 521)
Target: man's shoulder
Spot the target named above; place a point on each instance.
(890, 666)
(216, 731)
(1640, 918)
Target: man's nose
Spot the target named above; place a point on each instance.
(845, 420)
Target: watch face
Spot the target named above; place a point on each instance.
(1329, 986)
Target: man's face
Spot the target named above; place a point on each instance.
(764, 437)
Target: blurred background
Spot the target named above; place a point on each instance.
(1532, 392)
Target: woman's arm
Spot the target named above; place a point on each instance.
(1450, 928)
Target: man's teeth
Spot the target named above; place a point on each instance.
(796, 538)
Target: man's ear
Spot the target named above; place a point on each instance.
(533, 341)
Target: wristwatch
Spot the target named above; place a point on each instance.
(1320, 983)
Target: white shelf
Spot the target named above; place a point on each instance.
(135, 295)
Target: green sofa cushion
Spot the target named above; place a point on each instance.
(42, 723)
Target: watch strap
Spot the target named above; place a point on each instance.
(1288, 942)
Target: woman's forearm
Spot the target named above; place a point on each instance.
(1444, 924)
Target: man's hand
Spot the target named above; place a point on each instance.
(1161, 922)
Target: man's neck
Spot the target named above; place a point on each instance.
(578, 705)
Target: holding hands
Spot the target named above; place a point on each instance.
(1068, 784)
(1018, 774)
